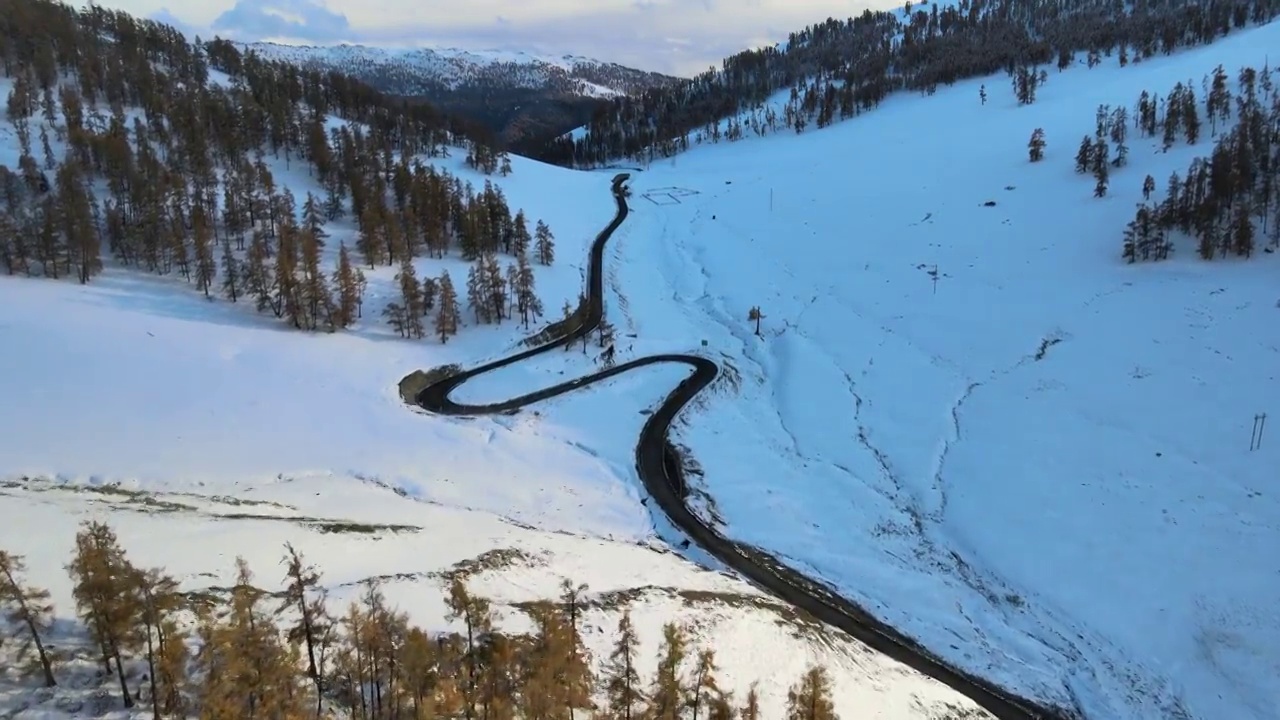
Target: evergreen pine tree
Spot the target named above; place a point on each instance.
(544, 244)
(102, 578)
(448, 314)
(668, 692)
(810, 698)
(347, 281)
(621, 677)
(29, 608)
(1035, 148)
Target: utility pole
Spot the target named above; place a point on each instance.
(934, 273)
(1259, 424)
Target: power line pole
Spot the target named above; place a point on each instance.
(1259, 424)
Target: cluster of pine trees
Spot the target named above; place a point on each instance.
(164, 168)
(1228, 200)
(245, 652)
(838, 69)
(1095, 156)
(481, 226)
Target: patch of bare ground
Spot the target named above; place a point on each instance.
(798, 624)
(142, 501)
(416, 381)
(495, 560)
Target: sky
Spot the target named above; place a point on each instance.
(680, 37)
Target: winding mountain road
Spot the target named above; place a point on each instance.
(660, 468)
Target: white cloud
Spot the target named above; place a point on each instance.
(677, 36)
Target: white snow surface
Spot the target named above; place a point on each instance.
(186, 411)
(1088, 527)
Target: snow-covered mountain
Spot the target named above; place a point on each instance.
(519, 95)
(957, 403)
(425, 71)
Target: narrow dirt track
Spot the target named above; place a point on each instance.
(660, 468)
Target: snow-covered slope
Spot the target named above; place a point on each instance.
(1039, 465)
(202, 431)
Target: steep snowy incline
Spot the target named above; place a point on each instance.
(966, 411)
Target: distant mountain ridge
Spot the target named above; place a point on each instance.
(523, 97)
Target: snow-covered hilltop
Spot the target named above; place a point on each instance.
(428, 71)
(522, 97)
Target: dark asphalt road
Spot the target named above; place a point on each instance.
(659, 467)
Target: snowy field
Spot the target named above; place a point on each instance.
(1085, 523)
(1039, 467)
(202, 431)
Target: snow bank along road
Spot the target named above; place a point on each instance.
(659, 467)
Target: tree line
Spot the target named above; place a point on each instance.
(1229, 200)
(245, 652)
(163, 167)
(839, 69)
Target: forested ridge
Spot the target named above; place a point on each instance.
(523, 103)
(283, 651)
(163, 155)
(839, 69)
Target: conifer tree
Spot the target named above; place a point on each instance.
(247, 670)
(1100, 161)
(544, 244)
(704, 691)
(346, 279)
(810, 698)
(669, 690)
(621, 677)
(577, 680)
(205, 265)
(520, 238)
(411, 297)
(542, 692)
(430, 289)
(102, 578)
(448, 314)
(1035, 147)
(313, 219)
(477, 619)
(500, 679)
(231, 282)
(75, 208)
(257, 276)
(418, 659)
(1084, 156)
(287, 302)
(157, 632)
(527, 302)
(494, 285)
(29, 607)
(396, 317)
(304, 596)
(315, 296)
